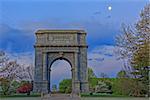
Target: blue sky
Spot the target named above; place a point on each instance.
(20, 19)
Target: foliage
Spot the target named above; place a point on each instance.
(5, 85)
(3, 59)
(9, 87)
(12, 72)
(102, 87)
(122, 74)
(121, 86)
(91, 73)
(14, 86)
(54, 88)
(117, 86)
(127, 86)
(134, 48)
(65, 86)
(141, 58)
(25, 88)
(93, 82)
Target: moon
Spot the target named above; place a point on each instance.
(109, 8)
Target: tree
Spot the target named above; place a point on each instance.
(91, 73)
(30, 72)
(54, 87)
(12, 71)
(122, 74)
(134, 49)
(3, 59)
(65, 86)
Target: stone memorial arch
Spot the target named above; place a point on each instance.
(69, 45)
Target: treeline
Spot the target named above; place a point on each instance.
(112, 86)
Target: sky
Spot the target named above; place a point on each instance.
(20, 19)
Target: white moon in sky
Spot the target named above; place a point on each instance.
(109, 8)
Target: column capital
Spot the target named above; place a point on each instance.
(72, 69)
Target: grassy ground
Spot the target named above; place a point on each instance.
(101, 95)
(83, 98)
(20, 95)
(21, 98)
(96, 96)
(114, 98)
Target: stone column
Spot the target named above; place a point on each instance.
(38, 79)
(76, 75)
(44, 66)
(49, 80)
(73, 79)
(83, 71)
(45, 81)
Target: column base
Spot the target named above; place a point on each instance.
(40, 86)
(76, 88)
(84, 87)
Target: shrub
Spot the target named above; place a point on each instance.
(25, 88)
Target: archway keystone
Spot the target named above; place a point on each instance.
(61, 44)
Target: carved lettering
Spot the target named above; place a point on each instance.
(60, 38)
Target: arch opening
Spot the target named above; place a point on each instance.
(60, 71)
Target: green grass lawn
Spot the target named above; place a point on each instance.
(95, 96)
(20, 95)
(101, 95)
(104, 96)
(83, 98)
(114, 98)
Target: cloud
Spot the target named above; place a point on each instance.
(15, 40)
(22, 38)
(52, 23)
(97, 31)
(97, 13)
(109, 65)
(25, 58)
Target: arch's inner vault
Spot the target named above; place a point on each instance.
(69, 45)
(60, 70)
